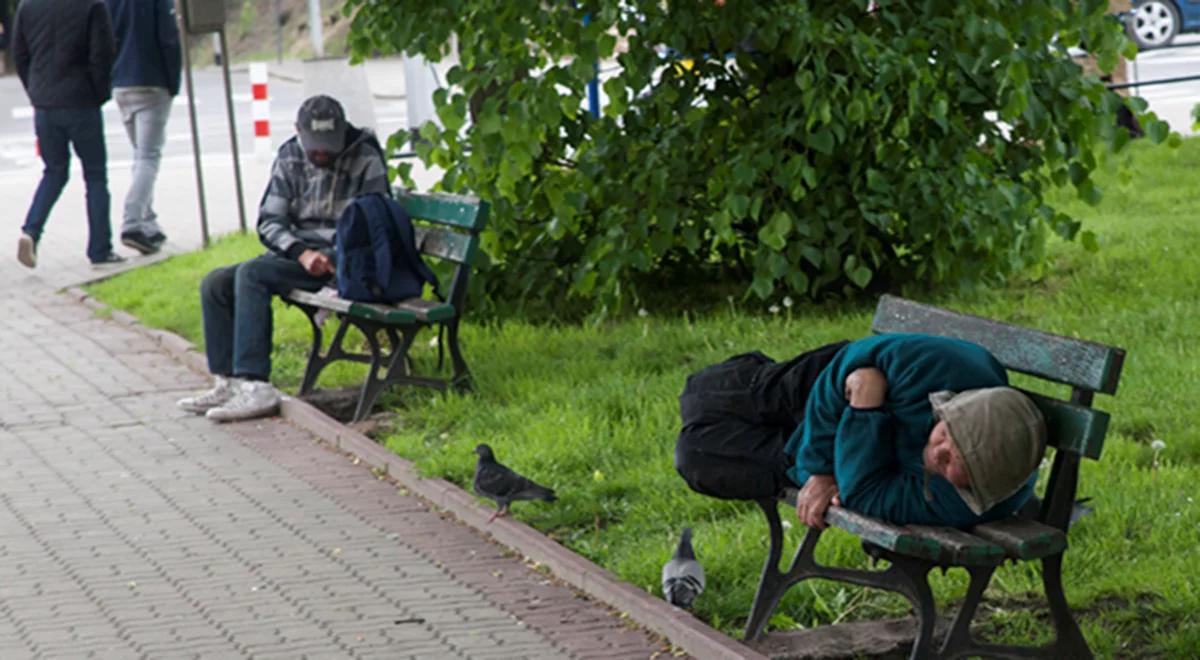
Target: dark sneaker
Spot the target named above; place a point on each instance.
(107, 261)
(140, 242)
(27, 251)
(158, 238)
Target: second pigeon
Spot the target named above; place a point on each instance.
(500, 484)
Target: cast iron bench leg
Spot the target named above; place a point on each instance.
(958, 640)
(912, 580)
(1069, 641)
(773, 583)
(461, 379)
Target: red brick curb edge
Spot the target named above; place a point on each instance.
(683, 629)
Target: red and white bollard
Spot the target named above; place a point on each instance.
(260, 109)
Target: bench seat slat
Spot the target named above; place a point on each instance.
(405, 312)
(331, 303)
(943, 545)
(1074, 362)
(1022, 538)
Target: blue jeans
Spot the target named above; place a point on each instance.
(58, 129)
(235, 302)
(144, 111)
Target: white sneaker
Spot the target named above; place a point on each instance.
(27, 251)
(254, 398)
(221, 393)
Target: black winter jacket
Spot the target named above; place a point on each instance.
(63, 50)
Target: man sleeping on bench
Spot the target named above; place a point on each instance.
(908, 428)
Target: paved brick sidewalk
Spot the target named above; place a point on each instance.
(131, 530)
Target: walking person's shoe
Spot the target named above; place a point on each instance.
(140, 241)
(110, 260)
(254, 398)
(221, 393)
(27, 251)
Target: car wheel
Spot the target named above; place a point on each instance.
(1152, 23)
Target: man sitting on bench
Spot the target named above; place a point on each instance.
(902, 427)
(316, 175)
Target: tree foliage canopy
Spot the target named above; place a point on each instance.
(802, 147)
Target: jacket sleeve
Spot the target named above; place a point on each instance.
(825, 408)
(168, 41)
(275, 224)
(101, 50)
(20, 50)
(871, 482)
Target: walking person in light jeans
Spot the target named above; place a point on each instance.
(146, 77)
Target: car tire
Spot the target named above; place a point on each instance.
(1152, 23)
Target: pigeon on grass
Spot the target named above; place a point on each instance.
(682, 575)
(497, 482)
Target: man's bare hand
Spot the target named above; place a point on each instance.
(866, 388)
(316, 263)
(814, 499)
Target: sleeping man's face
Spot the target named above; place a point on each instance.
(943, 458)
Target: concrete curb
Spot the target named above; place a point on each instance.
(683, 629)
(680, 627)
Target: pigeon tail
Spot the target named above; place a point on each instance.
(684, 550)
(682, 575)
(538, 492)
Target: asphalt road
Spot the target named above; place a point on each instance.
(1172, 102)
(17, 144)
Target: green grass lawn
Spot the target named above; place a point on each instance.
(592, 411)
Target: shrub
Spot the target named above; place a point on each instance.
(811, 148)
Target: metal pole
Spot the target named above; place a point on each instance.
(187, 69)
(314, 27)
(593, 85)
(237, 167)
(278, 32)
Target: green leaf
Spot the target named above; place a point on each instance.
(858, 273)
(822, 141)
(1089, 242)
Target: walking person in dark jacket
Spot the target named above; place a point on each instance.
(63, 50)
(145, 80)
(316, 175)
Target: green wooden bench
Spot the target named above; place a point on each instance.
(447, 228)
(1076, 431)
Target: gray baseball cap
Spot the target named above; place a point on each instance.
(1001, 435)
(322, 124)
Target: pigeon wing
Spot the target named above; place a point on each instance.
(497, 481)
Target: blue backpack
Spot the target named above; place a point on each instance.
(377, 257)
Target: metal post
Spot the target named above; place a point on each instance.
(191, 92)
(593, 86)
(278, 32)
(237, 167)
(314, 27)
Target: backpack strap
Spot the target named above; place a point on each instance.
(402, 224)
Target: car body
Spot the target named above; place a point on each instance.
(1155, 23)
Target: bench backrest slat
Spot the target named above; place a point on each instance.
(444, 244)
(446, 226)
(455, 210)
(1072, 427)
(1075, 362)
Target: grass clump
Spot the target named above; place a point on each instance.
(592, 411)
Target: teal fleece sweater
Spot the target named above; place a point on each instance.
(876, 454)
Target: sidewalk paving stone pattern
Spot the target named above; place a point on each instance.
(129, 529)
